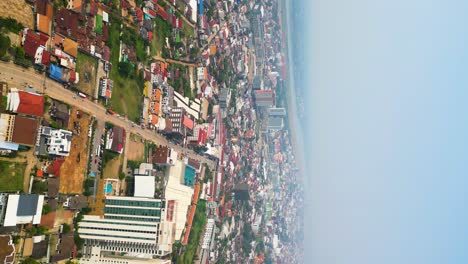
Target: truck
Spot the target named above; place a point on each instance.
(82, 95)
(110, 112)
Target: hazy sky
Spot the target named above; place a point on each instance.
(387, 144)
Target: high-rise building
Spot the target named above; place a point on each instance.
(133, 227)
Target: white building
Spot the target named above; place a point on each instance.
(56, 141)
(192, 107)
(208, 236)
(18, 209)
(131, 226)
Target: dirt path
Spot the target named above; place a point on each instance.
(185, 63)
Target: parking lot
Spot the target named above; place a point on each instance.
(97, 149)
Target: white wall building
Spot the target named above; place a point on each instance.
(21, 209)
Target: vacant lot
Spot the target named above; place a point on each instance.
(112, 168)
(19, 10)
(86, 66)
(126, 94)
(74, 168)
(136, 149)
(11, 176)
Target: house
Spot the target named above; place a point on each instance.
(200, 134)
(105, 87)
(75, 5)
(163, 155)
(116, 139)
(34, 46)
(40, 248)
(162, 13)
(22, 209)
(18, 129)
(76, 202)
(44, 16)
(7, 254)
(52, 187)
(60, 113)
(70, 47)
(66, 248)
(54, 168)
(26, 103)
(55, 142)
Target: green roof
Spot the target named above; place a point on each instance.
(98, 26)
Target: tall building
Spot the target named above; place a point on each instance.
(264, 98)
(131, 227)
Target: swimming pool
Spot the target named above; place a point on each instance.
(108, 188)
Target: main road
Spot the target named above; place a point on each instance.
(20, 78)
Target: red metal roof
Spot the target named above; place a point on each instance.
(30, 104)
(54, 168)
(31, 43)
(187, 122)
(202, 137)
(45, 58)
(162, 12)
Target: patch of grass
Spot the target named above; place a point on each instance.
(127, 93)
(161, 31)
(199, 221)
(11, 178)
(87, 67)
(4, 103)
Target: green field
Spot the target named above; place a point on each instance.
(199, 221)
(127, 93)
(161, 31)
(11, 176)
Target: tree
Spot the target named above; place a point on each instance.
(39, 187)
(66, 228)
(29, 261)
(122, 176)
(45, 209)
(4, 45)
(126, 69)
(20, 53)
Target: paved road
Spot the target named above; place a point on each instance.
(19, 77)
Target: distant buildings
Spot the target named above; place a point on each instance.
(241, 192)
(264, 98)
(224, 97)
(276, 119)
(18, 209)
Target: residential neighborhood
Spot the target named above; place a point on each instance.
(148, 131)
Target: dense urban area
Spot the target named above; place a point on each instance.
(147, 131)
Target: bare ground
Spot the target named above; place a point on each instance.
(19, 10)
(135, 149)
(74, 168)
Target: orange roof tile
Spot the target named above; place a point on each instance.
(154, 119)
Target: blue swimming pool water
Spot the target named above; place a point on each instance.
(108, 188)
